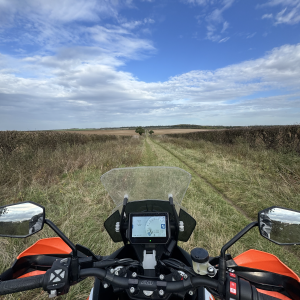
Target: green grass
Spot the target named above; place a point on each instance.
(77, 203)
(247, 178)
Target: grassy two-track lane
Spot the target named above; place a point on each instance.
(218, 217)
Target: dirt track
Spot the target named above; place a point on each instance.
(131, 132)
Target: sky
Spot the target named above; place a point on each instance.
(113, 63)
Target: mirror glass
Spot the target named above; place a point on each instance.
(21, 220)
(280, 225)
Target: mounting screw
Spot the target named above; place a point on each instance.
(161, 277)
(132, 290)
(112, 271)
(105, 285)
(211, 271)
(161, 292)
(134, 275)
(191, 293)
(185, 276)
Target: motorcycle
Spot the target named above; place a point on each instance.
(149, 219)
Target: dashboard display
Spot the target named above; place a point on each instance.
(149, 228)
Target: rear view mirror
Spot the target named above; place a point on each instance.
(21, 219)
(280, 225)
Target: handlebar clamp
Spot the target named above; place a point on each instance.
(133, 285)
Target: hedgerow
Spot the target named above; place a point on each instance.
(282, 138)
(13, 140)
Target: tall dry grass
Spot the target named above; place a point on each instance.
(45, 165)
(251, 178)
(66, 181)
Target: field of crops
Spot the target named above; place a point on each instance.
(230, 184)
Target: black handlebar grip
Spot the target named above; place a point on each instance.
(260, 296)
(22, 284)
(266, 297)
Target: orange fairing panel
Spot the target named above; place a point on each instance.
(264, 261)
(33, 273)
(47, 246)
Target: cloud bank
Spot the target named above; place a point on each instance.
(65, 72)
(85, 91)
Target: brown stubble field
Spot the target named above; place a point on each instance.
(132, 132)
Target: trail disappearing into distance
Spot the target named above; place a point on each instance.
(204, 179)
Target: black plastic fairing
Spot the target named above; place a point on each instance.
(150, 206)
(110, 225)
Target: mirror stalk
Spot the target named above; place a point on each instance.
(222, 260)
(62, 236)
(237, 237)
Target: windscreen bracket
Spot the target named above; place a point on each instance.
(123, 218)
(170, 196)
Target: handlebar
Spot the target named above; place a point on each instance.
(33, 282)
(150, 285)
(20, 285)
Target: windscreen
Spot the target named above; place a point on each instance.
(146, 183)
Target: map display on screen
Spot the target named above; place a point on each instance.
(149, 226)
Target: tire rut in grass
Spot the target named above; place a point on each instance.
(206, 181)
(215, 189)
(149, 156)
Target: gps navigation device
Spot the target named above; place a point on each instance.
(149, 228)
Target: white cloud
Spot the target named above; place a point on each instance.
(61, 10)
(224, 40)
(249, 36)
(289, 13)
(197, 2)
(291, 16)
(214, 21)
(267, 16)
(225, 26)
(93, 92)
(213, 15)
(135, 24)
(46, 26)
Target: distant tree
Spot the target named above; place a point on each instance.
(140, 130)
(151, 131)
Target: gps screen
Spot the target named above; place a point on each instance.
(149, 226)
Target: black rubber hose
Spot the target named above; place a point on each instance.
(20, 285)
(110, 278)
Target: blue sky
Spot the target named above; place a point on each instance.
(101, 63)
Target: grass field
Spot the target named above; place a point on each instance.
(132, 132)
(229, 186)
